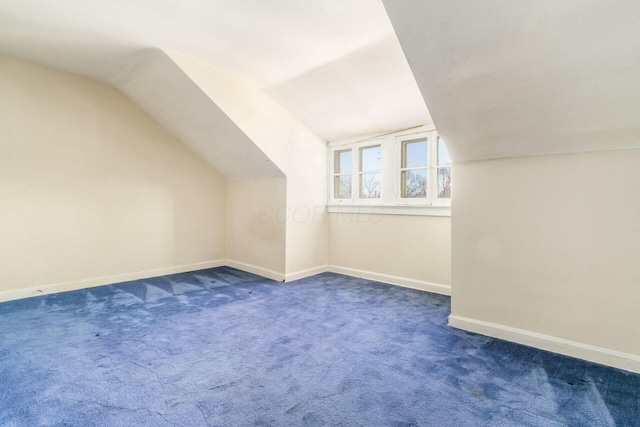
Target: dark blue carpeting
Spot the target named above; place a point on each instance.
(221, 347)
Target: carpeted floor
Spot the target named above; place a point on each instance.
(221, 347)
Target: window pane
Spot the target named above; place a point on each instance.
(370, 158)
(443, 155)
(414, 154)
(342, 187)
(342, 161)
(414, 183)
(444, 183)
(370, 185)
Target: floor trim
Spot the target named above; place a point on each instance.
(625, 361)
(260, 271)
(106, 280)
(264, 272)
(393, 280)
(297, 275)
(604, 356)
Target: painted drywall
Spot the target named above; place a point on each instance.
(404, 246)
(269, 43)
(550, 245)
(292, 147)
(256, 229)
(507, 78)
(92, 187)
(167, 94)
(383, 98)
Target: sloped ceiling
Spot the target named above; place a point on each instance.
(293, 49)
(506, 78)
(370, 92)
(169, 95)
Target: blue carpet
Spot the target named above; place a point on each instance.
(221, 347)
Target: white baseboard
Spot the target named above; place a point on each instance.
(393, 280)
(297, 275)
(106, 280)
(274, 275)
(264, 272)
(604, 356)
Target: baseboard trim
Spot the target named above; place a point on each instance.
(260, 271)
(393, 280)
(105, 280)
(297, 275)
(604, 356)
(264, 272)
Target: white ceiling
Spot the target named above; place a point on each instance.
(334, 64)
(170, 96)
(505, 78)
(371, 91)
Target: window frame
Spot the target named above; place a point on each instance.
(391, 200)
(355, 173)
(441, 200)
(359, 172)
(335, 174)
(399, 142)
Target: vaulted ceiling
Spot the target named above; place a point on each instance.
(506, 78)
(501, 78)
(336, 65)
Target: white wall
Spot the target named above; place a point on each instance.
(551, 245)
(545, 249)
(294, 149)
(506, 79)
(188, 113)
(98, 192)
(413, 250)
(92, 188)
(256, 229)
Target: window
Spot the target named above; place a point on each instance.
(342, 174)
(370, 172)
(444, 171)
(397, 173)
(414, 169)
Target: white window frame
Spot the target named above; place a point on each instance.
(333, 175)
(438, 200)
(358, 172)
(399, 143)
(391, 200)
(355, 173)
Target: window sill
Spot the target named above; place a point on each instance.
(418, 210)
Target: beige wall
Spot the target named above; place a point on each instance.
(293, 148)
(551, 245)
(91, 187)
(256, 230)
(98, 190)
(405, 246)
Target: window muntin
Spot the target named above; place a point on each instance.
(400, 170)
(370, 172)
(342, 174)
(414, 169)
(444, 171)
